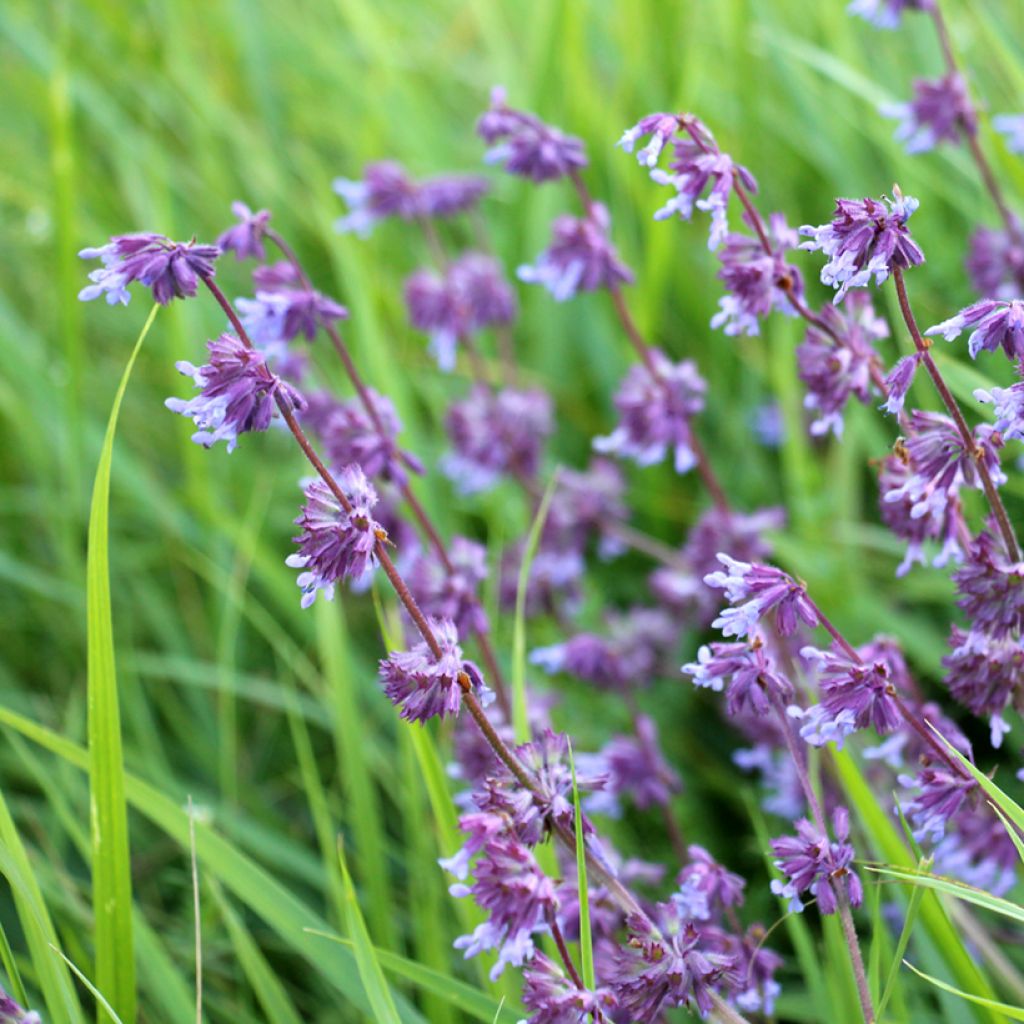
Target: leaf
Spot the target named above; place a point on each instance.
(1013, 1012)
(586, 939)
(901, 947)
(108, 811)
(101, 1001)
(374, 983)
(960, 890)
(520, 717)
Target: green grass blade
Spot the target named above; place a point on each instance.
(16, 986)
(268, 989)
(108, 812)
(913, 907)
(960, 890)
(469, 1000)
(374, 982)
(1006, 1009)
(101, 1001)
(586, 938)
(520, 717)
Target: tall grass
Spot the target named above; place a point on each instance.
(153, 116)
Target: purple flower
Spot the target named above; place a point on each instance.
(835, 360)
(983, 673)
(655, 410)
(757, 282)
(278, 316)
(979, 850)
(245, 239)
(666, 966)
(554, 999)
(862, 692)
(756, 989)
(1012, 126)
(493, 433)
(784, 795)
(533, 814)
(940, 795)
(518, 897)
(1008, 406)
(939, 111)
(554, 577)
(581, 257)
(424, 685)
(887, 13)
(434, 308)
(682, 585)
(754, 683)
(811, 863)
(897, 384)
(12, 1013)
(525, 145)
(754, 590)
(865, 238)
(995, 263)
(483, 292)
(706, 887)
(336, 542)
(990, 588)
(351, 436)
(941, 462)
(696, 163)
(915, 521)
(637, 769)
(387, 191)
(993, 324)
(171, 269)
(586, 502)
(238, 393)
(451, 593)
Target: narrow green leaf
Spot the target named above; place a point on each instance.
(1006, 1009)
(108, 812)
(101, 1002)
(586, 938)
(520, 717)
(374, 982)
(913, 907)
(16, 987)
(960, 890)
(464, 997)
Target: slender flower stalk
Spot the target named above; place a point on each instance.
(923, 345)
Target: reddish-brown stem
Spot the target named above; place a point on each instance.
(923, 346)
(563, 949)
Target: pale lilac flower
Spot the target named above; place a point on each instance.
(12, 1013)
(636, 769)
(812, 863)
(452, 593)
(995, 263)
(706, 887)
(434, 308)
(887, 13)
(664, 965)
(863, 689)
(554, 999)
(696, 163)
(482, 290)
(898, 382)
(655, 410)
(335, 542)
(554, 578)
(783, 794)
(940, 794)
(238, 393)
(754, 590)
(1012, 126)
(939, 112)
(1008, 406)
(754, 683)
(588, 502)
(866, 238)
(984, 673)
(993, 324)
(493, 433)
(518, 897)
(660, 127)
(991, 588)
(423, 685)
(525, 145)
(915, 521)
(978, 850)
(756, 989)
(171, 269)
(386, 190)
(581, 257)
(836, 370)
(757, 282)
(245, 239)
(282, 315)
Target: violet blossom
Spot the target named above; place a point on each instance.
(335, 542)
(898, 382)
(245, 239)
(281, 314)
(993, 324)
(171, 269)
(984, 673)
(238, 393)
(706, 887)
(990, 588)
(1008, 406)
(555, 999)
(866, 238)
(581, 257)
(939, 795)
(1012, 127)
(939, 112)
(656, 403)
(887, 13)
(450, 591)
(754, 590)
(755, 684)
(635, 768)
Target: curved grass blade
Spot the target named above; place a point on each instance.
(586, 938)
(962, 891)
(108, 811)
(374, 983)
(1006, 1009)
(901, 947)
(101, 1001)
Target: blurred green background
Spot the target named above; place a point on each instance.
(122, 117)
